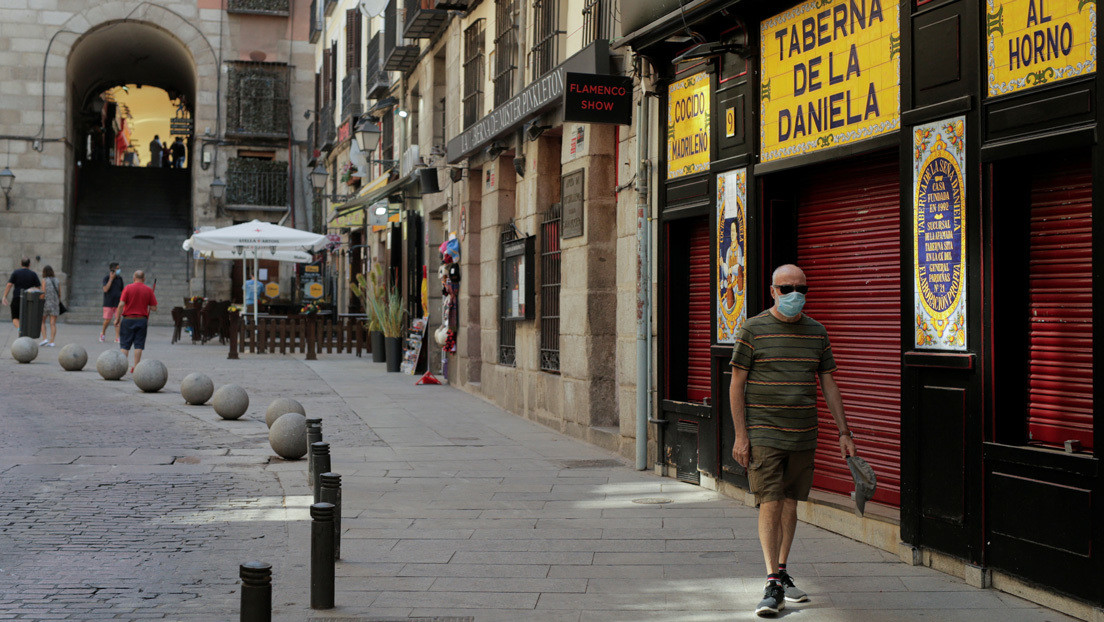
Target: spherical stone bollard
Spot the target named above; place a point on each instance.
(73, 357)
(151, 375)
(24, 349)
(288, 436)
(112, 365)
(230, 401)
(197, 389)
(282, 406)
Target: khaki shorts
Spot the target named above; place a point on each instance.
(777, 474)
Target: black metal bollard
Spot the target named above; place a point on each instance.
(322, 556)
(256, 593)
(331, 493)
(321, 452)
(314, 435)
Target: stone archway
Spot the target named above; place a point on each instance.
(137, 43)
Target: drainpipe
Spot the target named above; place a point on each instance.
(643, 291)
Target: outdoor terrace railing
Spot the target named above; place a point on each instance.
(307, 334)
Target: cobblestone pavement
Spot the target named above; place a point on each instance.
(115, 504)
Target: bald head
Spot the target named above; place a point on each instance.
(788, 274)
(140, 276)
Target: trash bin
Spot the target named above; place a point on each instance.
(31, 306)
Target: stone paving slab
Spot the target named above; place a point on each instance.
(452, 509)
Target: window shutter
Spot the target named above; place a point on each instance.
(352, 39)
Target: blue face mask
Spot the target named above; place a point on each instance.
(791, 304)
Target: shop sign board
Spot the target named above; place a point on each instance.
(731, 253)
(938, 249)
(688, 110)
(831, 75)
(571, 191)
(1034, 42)
(311, 281)
(272, 289)
(594, 98)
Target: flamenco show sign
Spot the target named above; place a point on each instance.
(1035, 42)
(731, 253)
(939, 257)
(831, 75)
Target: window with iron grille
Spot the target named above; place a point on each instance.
(598, 19)
(257, 99)
(550, 291)
(546, 37)
(388, 150)
(506, 49)
(507, 329)
(475, 49)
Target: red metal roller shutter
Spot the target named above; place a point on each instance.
(849, 246)
(1060, 363)
(697, 376)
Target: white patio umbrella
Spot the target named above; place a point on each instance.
(256, 239)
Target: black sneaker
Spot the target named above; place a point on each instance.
(774, 600)
(794, 594)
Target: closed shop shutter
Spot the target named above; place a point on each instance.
(1060, 362)
(849, 246)
(700, 316)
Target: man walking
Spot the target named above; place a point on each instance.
(177, 153)
(779, 355)
(21, 280)
(135, 305)
(155, 148)
(112, 290)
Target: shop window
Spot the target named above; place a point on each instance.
(474, 67)
(688, 313)
(507, 328)
(550, 291)
(1043, 289)
(506, 49)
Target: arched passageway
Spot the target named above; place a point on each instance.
(126, 208)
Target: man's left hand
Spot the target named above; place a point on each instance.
(847, 446)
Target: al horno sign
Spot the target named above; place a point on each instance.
(593, 98)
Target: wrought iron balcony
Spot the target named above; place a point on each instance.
(315, 23)
(423, 21)
(376, 83)
(327, 130)
(257, 103)
(398, 54)
(351, 102)
(256, 184)
(261, 7)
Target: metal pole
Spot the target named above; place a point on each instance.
(321, 465)
(256, 275)
(331, 493)
(322, 556)
(256, 593)
(314, 435)
(643, 292)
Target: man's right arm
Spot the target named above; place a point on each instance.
(741, 446)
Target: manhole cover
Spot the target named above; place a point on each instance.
(652, 500)
(590, 464)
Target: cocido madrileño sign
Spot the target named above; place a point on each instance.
(593, 98)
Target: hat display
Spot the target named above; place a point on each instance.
(866, 482)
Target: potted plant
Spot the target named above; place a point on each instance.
(370, 289)
(389, 310)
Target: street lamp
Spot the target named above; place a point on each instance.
(366, 134)
(218, 190)
(7, 179)
(319, 177)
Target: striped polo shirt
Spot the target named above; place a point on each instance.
(783, 360)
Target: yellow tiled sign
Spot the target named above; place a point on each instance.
(1034, 42)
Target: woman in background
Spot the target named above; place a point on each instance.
(52, 307)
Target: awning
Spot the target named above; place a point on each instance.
(673, 22)
(349, 214)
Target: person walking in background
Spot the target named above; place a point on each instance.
(112, 289)
(21, 280)
(155, 148)
(253, 290)
(178, 153)
(51, 289)
(778, 357)
(132, 316)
